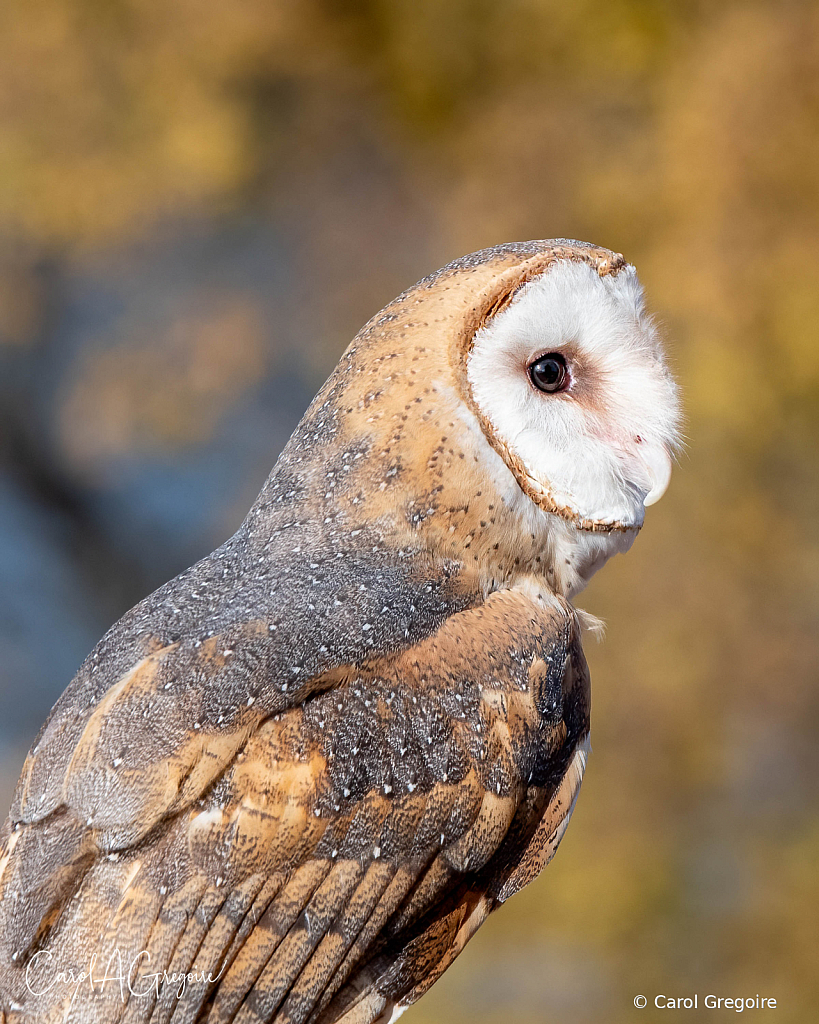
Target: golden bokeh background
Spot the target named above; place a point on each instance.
(200, 203)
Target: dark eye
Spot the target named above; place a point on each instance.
(549, 373)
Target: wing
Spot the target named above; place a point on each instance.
(321, 862)
(169, 696)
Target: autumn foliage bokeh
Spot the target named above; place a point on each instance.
(201, 202)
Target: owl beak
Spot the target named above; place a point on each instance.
(657, 463)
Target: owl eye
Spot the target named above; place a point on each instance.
(549, 373)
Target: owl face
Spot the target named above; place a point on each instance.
(570, 383)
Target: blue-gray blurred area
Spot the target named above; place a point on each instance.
(92, 518)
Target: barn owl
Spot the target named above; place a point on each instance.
(293, 782)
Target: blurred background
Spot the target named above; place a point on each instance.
(201, 202)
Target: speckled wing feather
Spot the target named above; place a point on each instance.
(325, 861)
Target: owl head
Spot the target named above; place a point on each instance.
(513, 411)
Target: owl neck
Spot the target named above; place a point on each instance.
(502, 537)
(426, 484)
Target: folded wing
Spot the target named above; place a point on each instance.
(323, 862)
